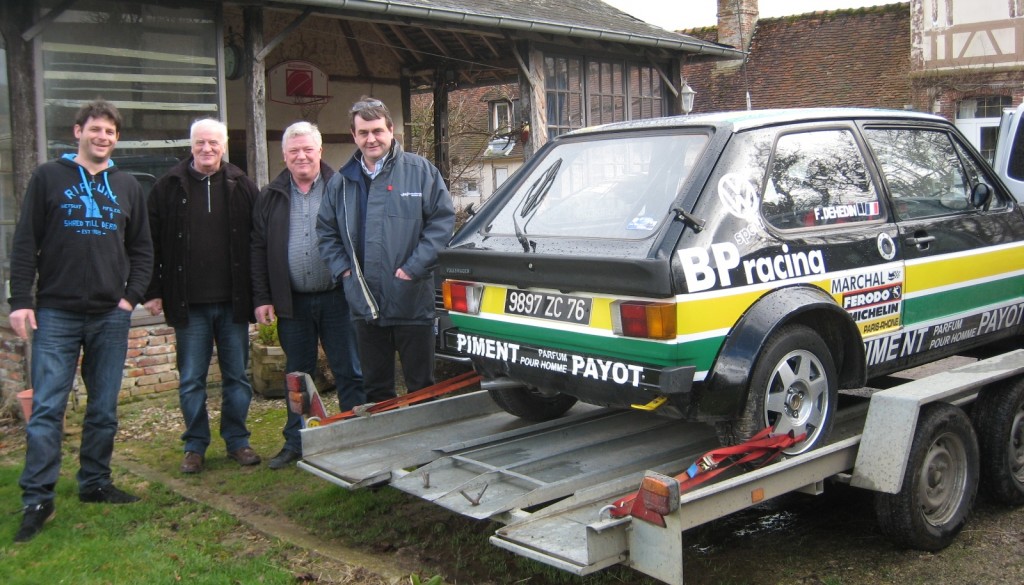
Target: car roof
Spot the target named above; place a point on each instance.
(740, 120)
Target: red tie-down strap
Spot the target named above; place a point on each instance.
(450, 385)
(760, 450)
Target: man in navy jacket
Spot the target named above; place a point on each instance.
(385, 216)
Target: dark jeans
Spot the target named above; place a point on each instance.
(211, 323)
(377, 347)
(320, 318)
(103, 341)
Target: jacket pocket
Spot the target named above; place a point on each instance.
(356, 299)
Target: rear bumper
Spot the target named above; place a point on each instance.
(591, 378)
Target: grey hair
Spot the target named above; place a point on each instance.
(302, 129)
(220, 127)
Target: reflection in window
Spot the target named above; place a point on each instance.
(922, 170)
(818, 178)
(620, 188)
(157, 64)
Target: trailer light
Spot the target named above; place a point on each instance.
(644, 319)
(463, 297)
(659, 495)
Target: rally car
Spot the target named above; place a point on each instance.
(734, 268)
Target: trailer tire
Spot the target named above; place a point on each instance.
(998, 418)
(939, 484)
(530, 404)
(793, 386)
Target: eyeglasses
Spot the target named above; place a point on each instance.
(366, 105)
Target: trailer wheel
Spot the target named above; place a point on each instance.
(939, 485)
(999, 422)
(793, 387)
(530, 404)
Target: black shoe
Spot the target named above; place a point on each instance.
(107, 495)
(283, 459)
(32, 522)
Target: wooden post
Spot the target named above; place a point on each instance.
(16, 17)
(441, 131)
(255, 98)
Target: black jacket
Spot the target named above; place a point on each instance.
(271, 280)
(87, 238)
(168, 220)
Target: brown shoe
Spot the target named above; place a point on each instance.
(245, 456)
(193, 462)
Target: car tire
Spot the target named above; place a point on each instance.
(530, 404)
(998, 418)
(793, 387)
(939, 484)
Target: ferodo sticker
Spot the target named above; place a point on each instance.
(701, 276)
(551, 360)
(873, 298)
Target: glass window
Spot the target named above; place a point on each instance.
(606, 92)
(158, 64)
(645, 93)
(620, 188)
(983, 107)
(922, 170)
(501, 116)
(564, 79)
(818, 178)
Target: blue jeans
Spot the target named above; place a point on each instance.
(103, 341)
(211, 323)
(320, 318)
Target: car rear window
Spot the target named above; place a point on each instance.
(619, 188)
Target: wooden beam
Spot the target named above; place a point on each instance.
(354, 48)
(437, 42)
(386, 42)
(34, 30)
(466, 46)
(281, 36)
(21, 75)
(490, 45)
(406, 42)
(255, 96)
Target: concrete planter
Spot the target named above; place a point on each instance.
(268, 363)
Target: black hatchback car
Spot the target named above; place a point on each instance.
(735, 268)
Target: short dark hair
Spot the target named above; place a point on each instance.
(99, 108)
(370, 109)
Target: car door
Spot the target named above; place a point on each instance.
(963, 264)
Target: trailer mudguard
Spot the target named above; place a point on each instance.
(724, 392)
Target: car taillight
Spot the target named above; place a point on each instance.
(644, 319)
(463, 297)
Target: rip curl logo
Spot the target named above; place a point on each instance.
(411, 194)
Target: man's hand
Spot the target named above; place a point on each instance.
(21, 320)
(265, 314)
(125, 305)
(402, 275)
(154, 306)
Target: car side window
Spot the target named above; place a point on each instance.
(976, 174)
(922, 170)
(818, 178)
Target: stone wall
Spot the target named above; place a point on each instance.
(149, 368)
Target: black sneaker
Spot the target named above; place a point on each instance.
(33, 520)
(283, 459)
(107, 495)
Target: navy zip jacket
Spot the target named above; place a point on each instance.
(271, 280)
(409, 219)
(86, 236)
(168, 220)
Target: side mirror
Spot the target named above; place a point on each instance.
(470, 209)
(981, 195)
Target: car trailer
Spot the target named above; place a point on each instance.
(923, 446)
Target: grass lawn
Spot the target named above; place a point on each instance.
(233, 524)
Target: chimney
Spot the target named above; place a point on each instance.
(736, 20)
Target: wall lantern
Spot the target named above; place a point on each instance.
(686, 95)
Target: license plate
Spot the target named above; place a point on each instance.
(547, 306)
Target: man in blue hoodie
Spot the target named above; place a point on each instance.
(385, 216)
(84, 234)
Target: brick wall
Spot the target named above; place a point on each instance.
(149, 368)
